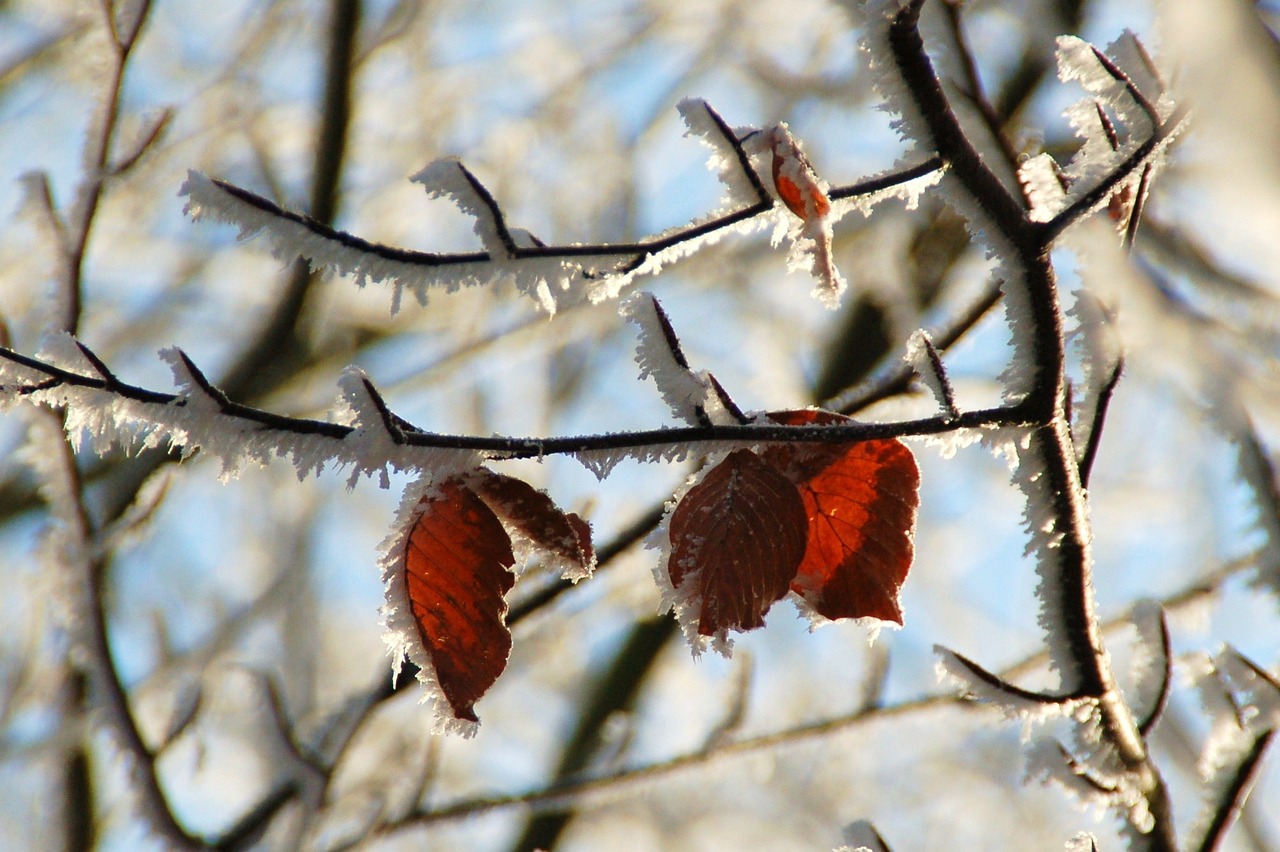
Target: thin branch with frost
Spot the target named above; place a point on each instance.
(85, 620)
(1234, 794)
(1046, 467)
(1153, 665)
(979, 684)
(923, 356)
(695, 397)
(1245, 698)
(898, 377)
(1094, 441)
(549, 273)
(111, 410)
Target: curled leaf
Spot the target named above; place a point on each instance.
(563, 536)
(794, 177)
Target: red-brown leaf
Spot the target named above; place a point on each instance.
(786, 152)
(532, 513)
(861, 502)
(737, 538)
(458, 564)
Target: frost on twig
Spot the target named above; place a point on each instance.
(1127, 119)
(695, 397)
(1152, 665)
(923, 357)
(1095, 781)
(1243, 702)
(111, 413)
(1030, 707)
(551, 274)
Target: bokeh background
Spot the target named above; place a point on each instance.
(238, 609)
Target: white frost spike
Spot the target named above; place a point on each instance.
(1091, 785)
(402, 635)
(1082, 842)
(448, 178)
(199, 418)
(291, 236)
(690, 394)
(1095, 339)
(1150, 657)
(1077, 60)
(1031, 712)
(805, 194)
(724, 160)
(919, 345)
(1042, 184)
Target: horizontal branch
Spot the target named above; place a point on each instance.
(642, 248)
(157, 411)
(539, 268)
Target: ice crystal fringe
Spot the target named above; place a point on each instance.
(1082, 842)
(689, 394)
(918, 357)
(602, 462)
(1016, 446)
(196, 418)
(1092, 787)
(1242, 706)
(740, 190)
(290, 237)
(1150, 665)
(1029, 711)
(1112, 124)
(1099, 351)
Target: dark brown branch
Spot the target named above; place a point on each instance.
(491, 204)
(973, 81)
(1003, 686)
(637, 252)
(500, 447)
(1235, 794)
(1148, 722)
(1099, 419)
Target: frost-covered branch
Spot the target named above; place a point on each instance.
(202, 416)
(1046, 467)
(1234, 793)
(549, 273)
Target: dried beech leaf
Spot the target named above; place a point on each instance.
(458, 564)
(794, 177)
(737, 538)
(861, 501)
(532, 514)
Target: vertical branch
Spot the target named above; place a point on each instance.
(98, 144)
(95, 681)
(87, 624)
(1066, 591)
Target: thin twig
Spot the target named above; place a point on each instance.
(1236, 792)
(1099, 419)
